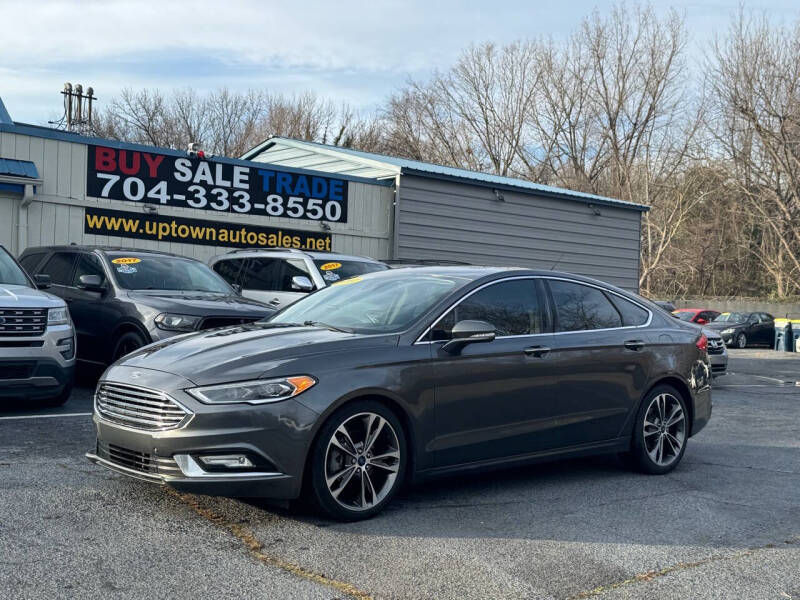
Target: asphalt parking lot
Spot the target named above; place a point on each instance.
(725, 524)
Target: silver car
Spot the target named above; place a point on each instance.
(717, 352)
(37, 340)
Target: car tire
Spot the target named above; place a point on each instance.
(127, 343)
(660, 433)
(346, 481)
(60, 399)
(741, 341)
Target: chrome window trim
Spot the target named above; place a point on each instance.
(504, 337)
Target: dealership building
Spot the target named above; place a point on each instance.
(59, 187)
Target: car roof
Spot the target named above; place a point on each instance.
(314, 254)
(92, 248)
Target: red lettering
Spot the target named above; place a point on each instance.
(133, 168)
(104, 159)
(152, 163)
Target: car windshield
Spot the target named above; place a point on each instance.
(731, 318)
(684, 315)
(10, 273)
(153, 272)
(335, 270)
(379, 303)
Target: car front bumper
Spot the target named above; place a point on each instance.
(275, 437)
(33, 368)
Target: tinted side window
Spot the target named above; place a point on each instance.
(511, 306)
(261, 274)
(632, 314)
(59, 267)
(271, 274)
(30, 262)
(88, 264)
(580, 307)
(229, 269)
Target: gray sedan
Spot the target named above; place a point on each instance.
(402, 375)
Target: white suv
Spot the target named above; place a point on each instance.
(281, 276)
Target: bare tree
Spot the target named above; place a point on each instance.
(755, 76)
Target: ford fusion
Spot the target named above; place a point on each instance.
(405, 374)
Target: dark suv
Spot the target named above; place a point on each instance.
(121, 299)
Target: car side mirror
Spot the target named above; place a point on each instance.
(301, 283)
(469, 332)
(91, 283)
(701, 321)
(42, 281)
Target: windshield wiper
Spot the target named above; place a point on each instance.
(327, 326)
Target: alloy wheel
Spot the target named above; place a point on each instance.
(362, 461)
(664, 429)
(741, 340)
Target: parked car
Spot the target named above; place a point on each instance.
(407, 374)
(281, 276)
(717, 352)
(37, 341)
(122, 299)
(701, 316)
(742, 329)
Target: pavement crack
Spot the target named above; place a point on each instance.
(256, 550)
(681, 566)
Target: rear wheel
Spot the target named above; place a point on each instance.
(358, 461)
(127, 343)
(741, 341)
(661, 432)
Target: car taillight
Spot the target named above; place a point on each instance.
(702, 342)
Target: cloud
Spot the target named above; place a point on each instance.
(353, 51)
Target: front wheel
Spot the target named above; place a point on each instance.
(127, 343)
(741, 341)
(661, 432)
(358, 461)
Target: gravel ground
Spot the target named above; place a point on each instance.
(725, 524)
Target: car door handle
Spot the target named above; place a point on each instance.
(274, 302)
(537, 351)
(634, 345)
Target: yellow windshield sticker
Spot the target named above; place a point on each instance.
(330, 266)
(348, 281)
(126, 261)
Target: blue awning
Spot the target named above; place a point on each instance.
(18, 168)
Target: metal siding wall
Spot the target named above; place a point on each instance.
(8, 213)
(444, 220)
(56, 215)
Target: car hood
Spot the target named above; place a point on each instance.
(20, 296)
(244, 352)
(723, 325)
(199, 303)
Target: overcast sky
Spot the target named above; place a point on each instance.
(352, 51)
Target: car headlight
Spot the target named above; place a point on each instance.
(58, 316)
(728, 331)
(259, 391)
(171, 322)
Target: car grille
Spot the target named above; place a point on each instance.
(22, 321)
(137, 461)
(136, 407)
(212, 322)
(716, 346)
